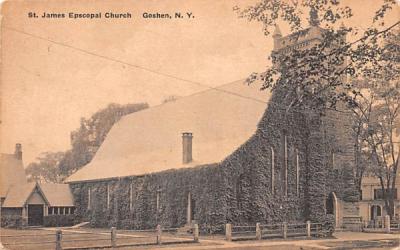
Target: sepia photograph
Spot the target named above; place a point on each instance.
(200, 124)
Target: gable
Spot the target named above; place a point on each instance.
(52, 194)
(36, 198)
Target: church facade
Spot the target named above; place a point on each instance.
(221, 158)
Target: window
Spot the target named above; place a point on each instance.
(239, 192)
(131, 197)
(272, 171)
(378, 194)
(89, 198)
(108, 196)
(60, 210)
(376, 211)
(158, 200)
(286, 166)
(297, 173)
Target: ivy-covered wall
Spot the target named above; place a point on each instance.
(173, 187)
(239, 189)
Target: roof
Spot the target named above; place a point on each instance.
(56, 195)
(150, 140)
(11, 173)
(18, 195)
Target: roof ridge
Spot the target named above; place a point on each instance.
(209, 89)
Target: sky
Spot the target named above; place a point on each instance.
(55, 71)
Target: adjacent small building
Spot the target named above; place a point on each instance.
(32, 204)
(372, 204)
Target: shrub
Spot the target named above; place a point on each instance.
(58, 220)
(13, 221)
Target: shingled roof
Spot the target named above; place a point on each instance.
(150, 140)
(11, 173)
(55, 195)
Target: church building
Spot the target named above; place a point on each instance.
(231, 154)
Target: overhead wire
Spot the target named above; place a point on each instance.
(143, 68)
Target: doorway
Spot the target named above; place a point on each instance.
(35, 215)
(331, 206)
(376, 211)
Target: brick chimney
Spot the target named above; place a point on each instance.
(187, 147)
(18, 151)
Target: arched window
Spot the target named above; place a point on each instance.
(89, 198)
(191, 208)
(297, 173)
(108, 195)
(375, 211)
(239, 192)
(285, 164)
(131, 196)
(158, 201)
(272, 170)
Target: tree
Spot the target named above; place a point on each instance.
(326, 75)
(381, 140)
(379, 122)
(377, 109)
(361, 116)
(87, 139)
(318, 75)
(45, 168)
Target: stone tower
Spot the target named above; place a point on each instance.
(329, 149)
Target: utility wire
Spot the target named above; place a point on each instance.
(131, 65)
(217, 88)
(106, 57)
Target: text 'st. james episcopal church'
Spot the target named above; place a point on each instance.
(218, 157)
